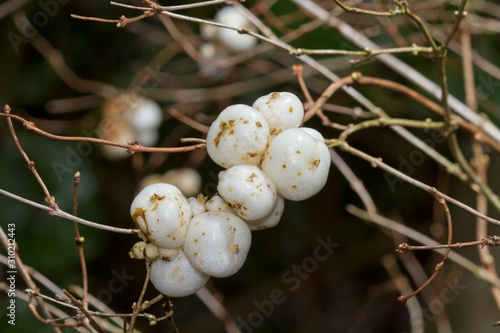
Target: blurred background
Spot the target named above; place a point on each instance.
(61, 75)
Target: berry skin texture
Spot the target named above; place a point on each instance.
(249, 191)
(297, 163)
(177, 277)
(162, 214)
(282, 110)
(217, 243)
(239, 135)
(270, 220)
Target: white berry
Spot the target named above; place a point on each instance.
(282, 110)
(162, 214)
(216, 204)
(271, 219)
(177, 277)
(151, 251)
(188, 180)
(239, 135)
(297, 163)
(217, 243)
(251, 193)
(137, 251)
(231, 39)
(145, 115)
(197, 207)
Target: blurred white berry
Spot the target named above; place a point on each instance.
(282, 110)
(117, 131)
(177, 277)
(197, 207)
(188, 180)
(145, 114)
(251, 193)
(147, 137)
(217, 243)
(239, 135)
(150, 179)
(162, 214)
(216, 204)
(271, 219)
(231, 39)
(297, 163)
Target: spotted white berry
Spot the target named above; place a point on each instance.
(239, 135)
(217, 243)
(162, 214)
(216, 204)
(282, 110)
(297, 163)
(249, 191)
(176, 277)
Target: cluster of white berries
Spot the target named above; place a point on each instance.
(268, 159)
(128, 118)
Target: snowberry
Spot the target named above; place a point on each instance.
(177, 277)
(117, 131)
(151, 251)
(145, 114)
(282, 110)
(217, 243)
(168, 254)
(197, 207)
(137, 251)
(162, 214)
(216, 204)
(297, 163)
(240, 134)
(147, 137)
(150, 179)
(231, 39)
(188, 180)
(271, 219)
(249, 191)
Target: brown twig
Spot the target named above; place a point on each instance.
(67, 216)
(488, 241)
(442, 263)
(188, 121)
(31, 165)
(134, 147)
(79, 305)
(138, 306)
(27, 278)
(377, 162)
(79, 242)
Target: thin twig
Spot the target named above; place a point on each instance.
(137, 306)
(79, 305)
(67, 216)
(134, 147)
(79, 242)
(377, 162)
